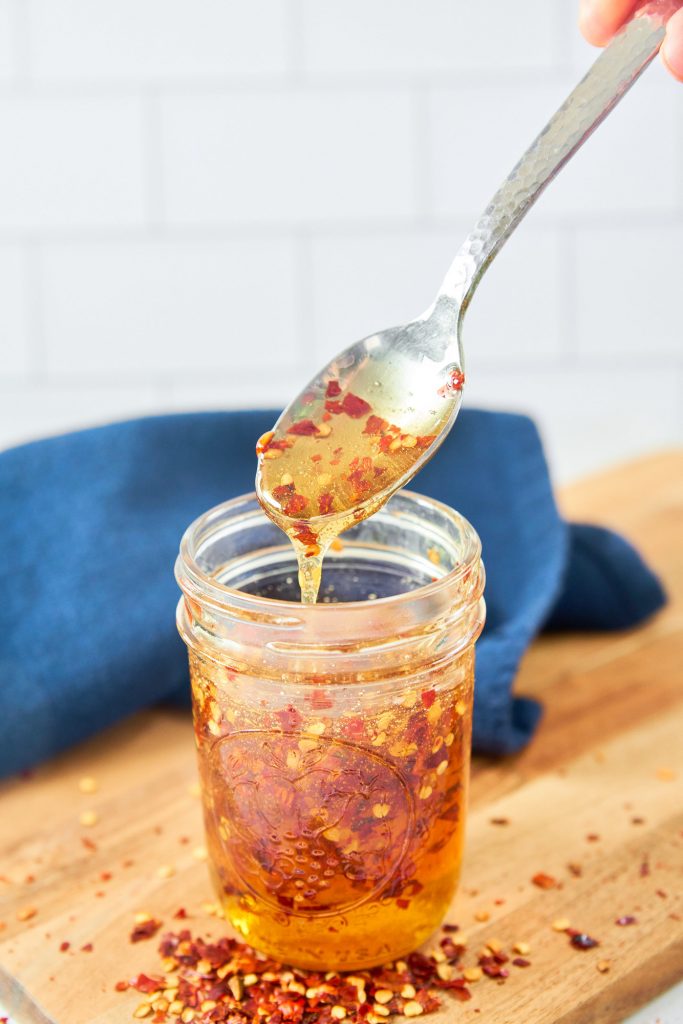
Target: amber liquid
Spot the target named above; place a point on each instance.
(335, 460)
(335, 830)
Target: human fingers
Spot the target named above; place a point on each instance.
(600, 19)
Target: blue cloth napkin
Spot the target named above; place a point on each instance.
(89, 529)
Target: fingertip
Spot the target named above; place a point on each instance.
(592, 26)
(672, 47)
(600, 19)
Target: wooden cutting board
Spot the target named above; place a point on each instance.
(607, 762)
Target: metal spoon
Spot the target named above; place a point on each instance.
(412, 375)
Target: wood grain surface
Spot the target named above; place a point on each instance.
(609, 750)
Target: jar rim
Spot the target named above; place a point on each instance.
(194, 581)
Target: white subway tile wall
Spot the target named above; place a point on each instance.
(200, 202)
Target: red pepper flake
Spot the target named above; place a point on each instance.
(333, 389)
(626, 919)
(644, 869)
(180, 913)
(354, 728)
(307, 536)
(544, 881)
(637, 821)
(303, 428)
(500, 821)
(88, 843)
(295, 506)
(456, 380)
(375, 425)
(354, 406)
(121, 986)
(592, 837)
(428, 697)
(402, 904)
(519, 961)
(450, 928)
(660, 892)
(145, 930)
(105, 876)
(325, 503)
(289, 718)
(579, 940)
(87, 948)
(63, 946)
(143, 983)
(575, 869)
(426, 440)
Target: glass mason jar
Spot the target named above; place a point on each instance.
(333, 739)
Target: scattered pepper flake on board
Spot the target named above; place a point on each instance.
(544, 881)
(574, 869)
(500, 821)
(626, 919)
(579, 940)
(226, 980)
(145, 927)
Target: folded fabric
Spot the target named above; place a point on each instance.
(89, 529)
